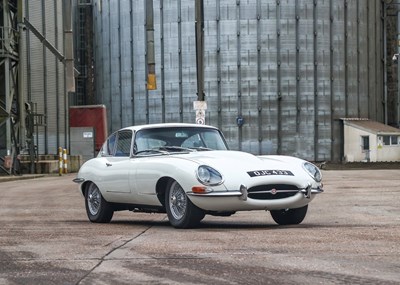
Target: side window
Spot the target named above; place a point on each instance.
(123, 143)
(110, 145)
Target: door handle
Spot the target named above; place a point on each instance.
(108, 164)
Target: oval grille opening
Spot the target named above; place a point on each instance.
(272, 191)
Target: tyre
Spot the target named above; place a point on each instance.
(289, 216)
(98, 210)
(180, 210)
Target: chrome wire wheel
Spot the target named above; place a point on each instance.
(98, 210)
(93, 200)
(180, 210)
(178, 201)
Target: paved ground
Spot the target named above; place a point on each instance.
(350, 236)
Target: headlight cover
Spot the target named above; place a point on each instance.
(208, 175)
(313, 171)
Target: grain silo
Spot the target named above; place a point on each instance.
(287, 69)
(36, 71)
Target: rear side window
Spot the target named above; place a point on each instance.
(109, 146)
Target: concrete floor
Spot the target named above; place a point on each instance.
(351, 235)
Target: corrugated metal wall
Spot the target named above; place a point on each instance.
(290, 68)
(44, 73)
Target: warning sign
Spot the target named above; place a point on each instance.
(200, 107)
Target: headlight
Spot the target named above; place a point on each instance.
(313, 171)
(208, 175)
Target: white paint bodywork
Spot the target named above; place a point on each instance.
(133, 180)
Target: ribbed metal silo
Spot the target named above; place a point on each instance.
(45, 84)
(290, 68)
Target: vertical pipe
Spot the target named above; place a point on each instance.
(110, 66)
(398, 67)
(28, 58)
(331, 71)
(199, 48)
(21, 75)
(259, 85)
(180, 62)
(316, 99)
(121, 96)
(383, 25)
(278, 75)
(46, 149)
(368, 65)
(298, 103)
(148, 4)
(59, 132)
(7, 88)
(151, 62)
(239, 76)
(346, 69)
(385, 87)
(219, 93)
(162, 60)
(358, 59)
(132, 63)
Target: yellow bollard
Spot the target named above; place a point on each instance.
(60, 161)
(65, 160)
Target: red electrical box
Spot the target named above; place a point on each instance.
(90, 116)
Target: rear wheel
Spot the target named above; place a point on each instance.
(289, 216)
(98, 210)
(180, 210)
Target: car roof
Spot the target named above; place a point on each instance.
(166, 125)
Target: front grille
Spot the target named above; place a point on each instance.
(272, 191)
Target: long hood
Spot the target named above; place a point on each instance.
(237, 161)
(243, 167)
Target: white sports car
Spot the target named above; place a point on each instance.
(187, 171)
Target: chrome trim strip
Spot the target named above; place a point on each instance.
(271, 191)
(217, 194)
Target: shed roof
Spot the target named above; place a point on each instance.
(371, 126)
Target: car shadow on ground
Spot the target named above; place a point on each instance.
(221, 224)
(204, 225)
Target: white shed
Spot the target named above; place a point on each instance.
(366, 140)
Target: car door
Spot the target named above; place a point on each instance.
(116, 169)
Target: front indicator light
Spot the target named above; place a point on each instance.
(201, 190)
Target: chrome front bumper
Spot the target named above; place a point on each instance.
(242, 192)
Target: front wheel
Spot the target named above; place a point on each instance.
(180, 210)
(98, 210)
(289, 216)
